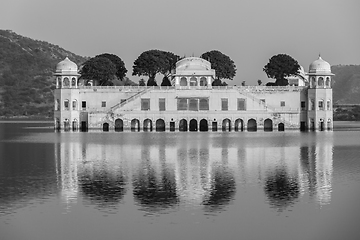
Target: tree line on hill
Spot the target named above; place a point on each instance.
(347, 113)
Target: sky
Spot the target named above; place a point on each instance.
(250, 32)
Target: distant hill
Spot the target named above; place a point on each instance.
(346, 87)
(26, 67)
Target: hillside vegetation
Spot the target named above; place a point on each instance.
(26, 82)
(346, 87)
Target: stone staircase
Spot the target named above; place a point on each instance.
(266, 107)
(258, 100)
(128, 100)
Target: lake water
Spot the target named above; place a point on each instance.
(182, 185)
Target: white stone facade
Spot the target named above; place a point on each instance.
(193, 104)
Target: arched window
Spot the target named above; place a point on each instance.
(66, 104)
(193, 81)
(73, 82)
(59, 82)
(313, 82)
(321, 104)
(321, 82)
(328, 85)
(74, 105)
(203, 81)
(183, 81)
(66, 82)
(312, 104)
(328, 105)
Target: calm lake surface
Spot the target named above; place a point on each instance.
(182, 185)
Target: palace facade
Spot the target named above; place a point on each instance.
(193, 104)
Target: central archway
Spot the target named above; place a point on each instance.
(268, 125)
(183, 125)
(193, 127)
(252, 125)
(226, 125)
(119, 125)
(147, 126)
(160, 125)
(204, 125)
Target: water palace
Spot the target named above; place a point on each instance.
(193, 104)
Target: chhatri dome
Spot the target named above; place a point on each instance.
(193, 63)
(319, 66)
(66, 65)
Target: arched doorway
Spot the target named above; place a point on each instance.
(119, 125)
(239, 125)
(66, 125)
(75, 125)
(252, 125)
(147, 126)
(183, 125)
(105, 127)
(226, 125)
(193, 127)
(160, 125)
(268, 125)
(204, 125)
(321, 125)
(135, 125)
(281, 127)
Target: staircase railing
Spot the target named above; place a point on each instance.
(131, 98)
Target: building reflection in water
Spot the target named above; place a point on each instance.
(166, 171)
(289, 172)
(154, 186)
(317, 168)
(93, 171)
